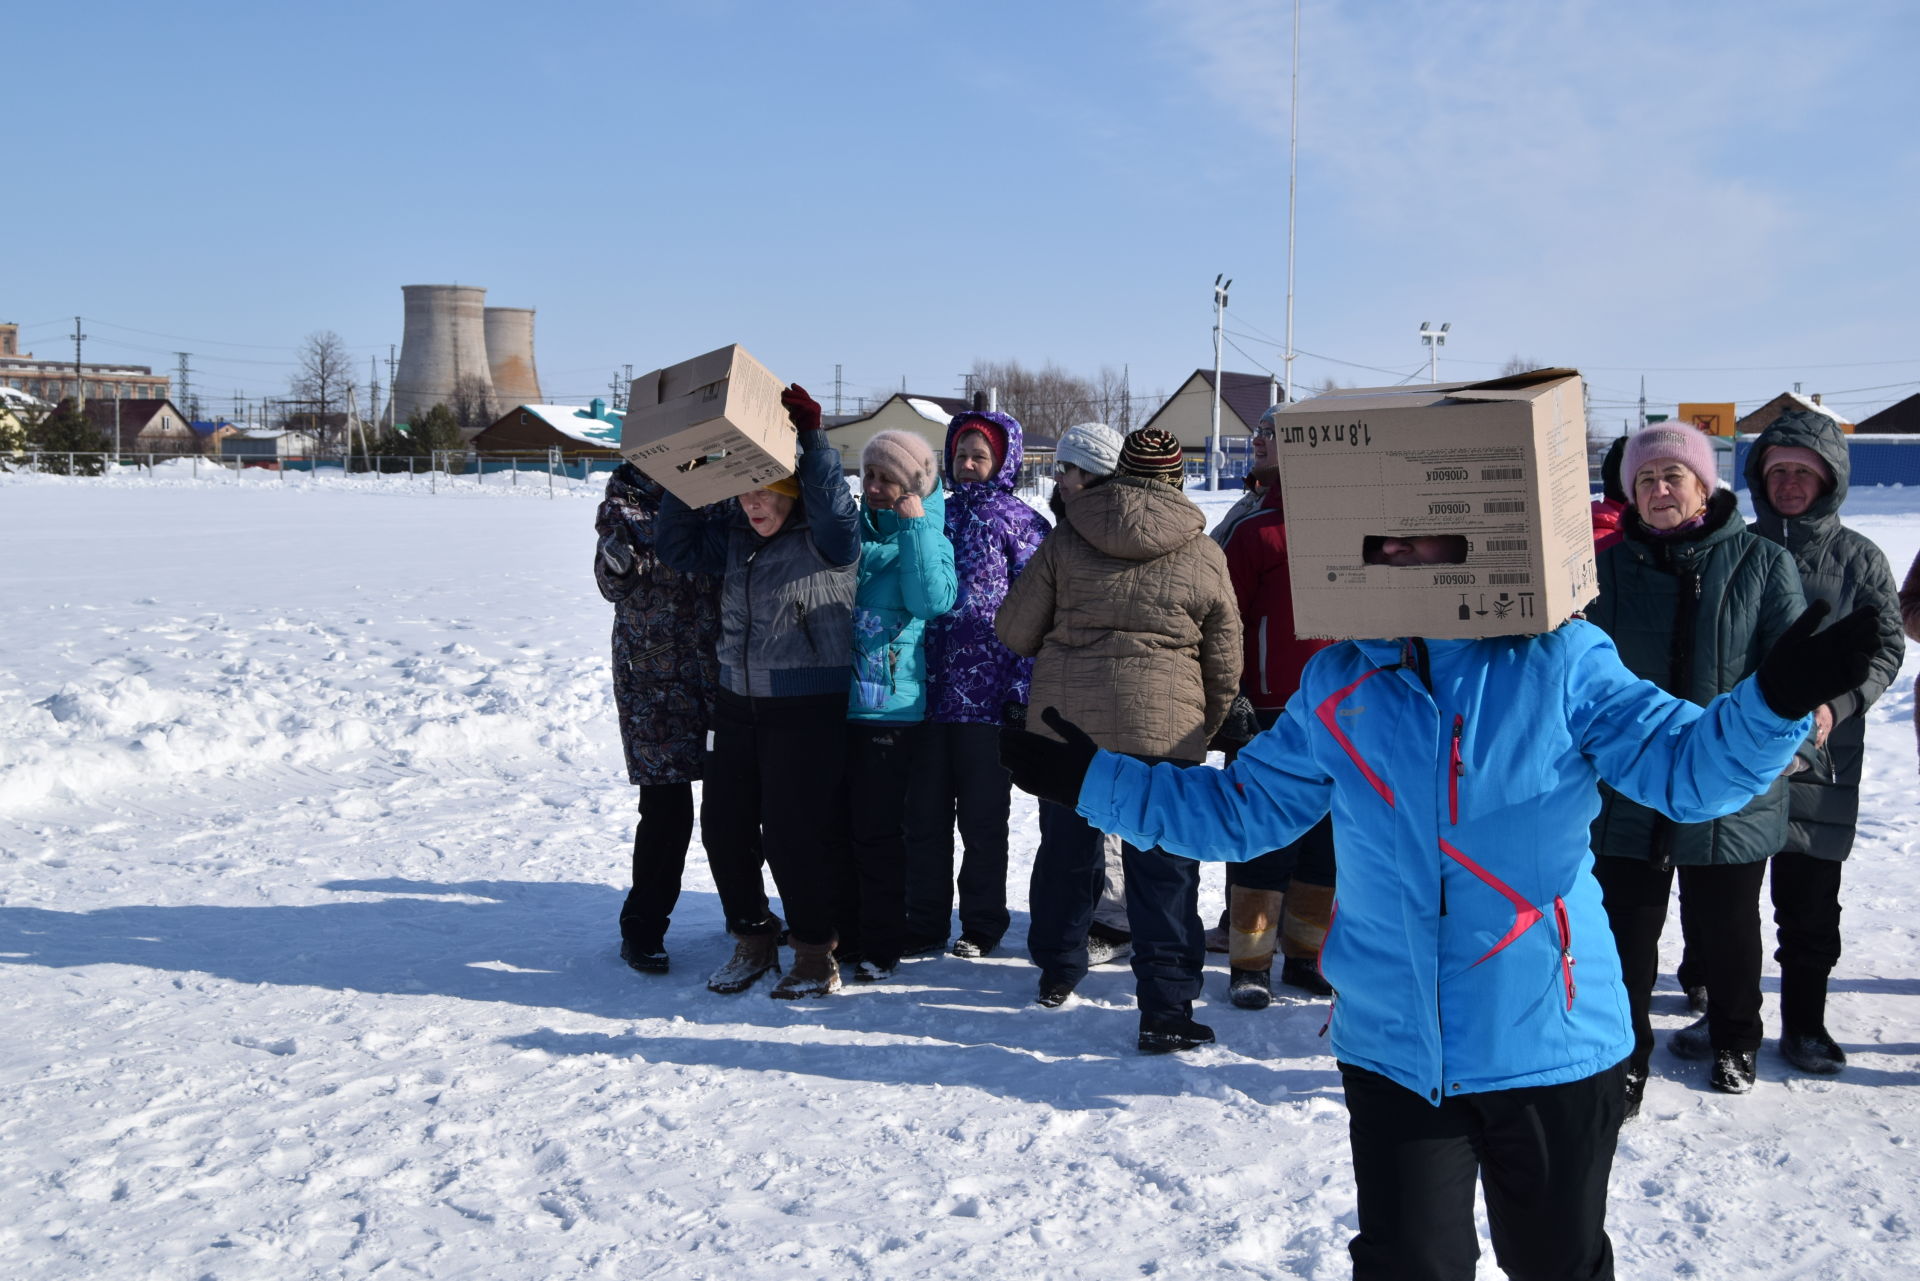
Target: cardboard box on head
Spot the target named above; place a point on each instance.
(1454, 510)
(709, 428)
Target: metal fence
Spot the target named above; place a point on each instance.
(445, 467)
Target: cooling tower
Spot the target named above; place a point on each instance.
(445, 339)
(510, 357)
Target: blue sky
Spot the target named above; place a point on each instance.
(1720, 196)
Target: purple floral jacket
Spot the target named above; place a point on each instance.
(971, 674)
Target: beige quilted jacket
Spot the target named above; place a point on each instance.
(1131, 618)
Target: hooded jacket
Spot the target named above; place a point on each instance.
(906, 579)
(1469, 950)
(1694, 614)
(1847, 570)
(665, 626)
(994, 534)
(1257, 563)
(786, 602)
(1130, 611)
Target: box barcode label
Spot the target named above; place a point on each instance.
(1506, 544)
(1505, 505)
(1502, 473)
(1505, 579)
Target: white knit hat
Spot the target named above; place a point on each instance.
(1092, 447)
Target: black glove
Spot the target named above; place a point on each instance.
(803, 411)
(1805, 669)
(616, 553)
(1013, 715)
(1051, 770)
(1240, 728)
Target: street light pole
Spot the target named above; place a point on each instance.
(1213, 436)
(1435, 339)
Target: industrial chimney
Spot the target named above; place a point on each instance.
(510, 357)
(445, 340)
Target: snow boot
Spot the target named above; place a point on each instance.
(1108, 946)
(1250, 989)
(1732, 1071)
(1173, 1032)
(753, 955)
(1253, 927)
(873, 972)
(647, 960)
(1814, 1052)
(1691, 1041)
(1697, 999)
(814, 973)
(1304, 975)
(972, 947)
(1053, 992)
(1303, 930)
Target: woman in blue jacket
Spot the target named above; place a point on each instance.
(1480, 1021)
(906, 579)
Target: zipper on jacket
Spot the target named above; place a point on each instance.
(1263, 656)
(1455, 769)
(1566, 945)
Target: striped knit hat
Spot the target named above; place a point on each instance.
(1152, 454)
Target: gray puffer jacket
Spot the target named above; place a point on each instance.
(1847, 570)
(1694, 613)
(786, 602)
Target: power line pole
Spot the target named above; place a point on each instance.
(185, 403)
(79, 379)
(836, 391)
(1293, 178)
(1435, 339)
(1213, 436)
(393, 389)
(373, 391)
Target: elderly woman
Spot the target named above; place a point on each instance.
(789, 556)
(1693, 601)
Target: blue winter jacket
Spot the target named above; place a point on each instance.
(1468, 949)
(906, 578)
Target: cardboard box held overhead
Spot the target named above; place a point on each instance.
(709, 428)
(1491, 477)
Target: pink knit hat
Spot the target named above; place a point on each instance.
(905, 457)
(1678, 442)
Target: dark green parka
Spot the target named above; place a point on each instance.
(1694, 614)
(1846, 570)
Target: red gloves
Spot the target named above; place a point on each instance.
(802, 410)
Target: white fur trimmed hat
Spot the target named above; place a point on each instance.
(905, 457)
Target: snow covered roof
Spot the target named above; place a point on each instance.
(1807, 402)
(578, 422)
(20, 400)
(928, 410)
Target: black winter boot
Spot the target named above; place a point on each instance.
(1171, 1033)
(1636, 1091)
(1814, 1052)
(1251, 989)
(1733, 1071)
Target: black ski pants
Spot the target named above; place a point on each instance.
(1720, 914)
(1806, 912)
(772, 786)
(1541, 1156)
(958, 777)
(1069, 869)
(660, 841)
(870, 840)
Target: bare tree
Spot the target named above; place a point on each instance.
(472, 403)
(1518, 364)
(322, 379)
(1047, 400)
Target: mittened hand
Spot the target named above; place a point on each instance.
(803, 411)
(1807, 668)
(1050, 769)
(616, 553)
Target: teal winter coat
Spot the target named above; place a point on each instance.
(906, 580)
(1694, 614)
(1468, 950)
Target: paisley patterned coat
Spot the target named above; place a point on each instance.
(665, 627)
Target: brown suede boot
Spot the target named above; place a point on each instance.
(1303, 929)
(814, 973)
(753, 955)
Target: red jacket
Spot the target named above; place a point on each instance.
(1607, 515)
(1257, 563)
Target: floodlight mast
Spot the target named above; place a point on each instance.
(1213, 436)
(1435, 339)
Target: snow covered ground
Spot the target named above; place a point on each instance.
(312, 835)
